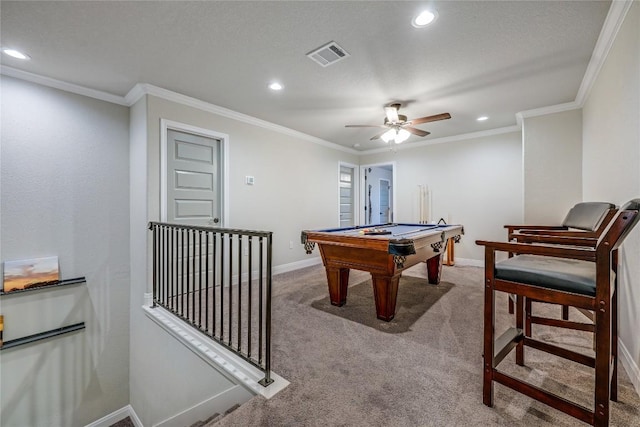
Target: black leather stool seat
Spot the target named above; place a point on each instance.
(569, 275)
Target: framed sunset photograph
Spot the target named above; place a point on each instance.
(30, 273)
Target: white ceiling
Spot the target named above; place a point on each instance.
(493, 58)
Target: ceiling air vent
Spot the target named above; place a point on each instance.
(328, 54)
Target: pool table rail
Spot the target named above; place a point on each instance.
(399, 244)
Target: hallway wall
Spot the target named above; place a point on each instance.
(65, 192)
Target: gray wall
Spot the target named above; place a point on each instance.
(296, 181)
(611, 153)
(475, 182)
(65, 192)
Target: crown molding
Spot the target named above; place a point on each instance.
(461, 137)
(551, 109)
(59, 84)
(142, 89)
(134, 95)
(612, 23)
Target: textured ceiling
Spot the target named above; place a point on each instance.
(492, 58)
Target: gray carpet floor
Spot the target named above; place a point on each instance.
(424, 368)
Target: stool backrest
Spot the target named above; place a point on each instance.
(587, 216)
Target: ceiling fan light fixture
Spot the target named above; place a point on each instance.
(389, 135)
(400, 129)
(402, 136)
(423, 19)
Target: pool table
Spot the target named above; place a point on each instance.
(384, 250)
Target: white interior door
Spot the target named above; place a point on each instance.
(193, 191)
(346, 188)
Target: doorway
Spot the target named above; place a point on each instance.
(347, 194)
(377, 197)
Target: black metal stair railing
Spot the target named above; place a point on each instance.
(218, 280)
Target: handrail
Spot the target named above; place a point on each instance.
(218, 280)
(217, 229)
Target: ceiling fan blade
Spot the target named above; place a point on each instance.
(392, 114)
(365, 126)
(428, 119)
(416, 131)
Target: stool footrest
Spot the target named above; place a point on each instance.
(557, 402)
(562, 352)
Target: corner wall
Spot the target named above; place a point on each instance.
(166, 377)
(65, 192)
(611, 129)
(552, 162)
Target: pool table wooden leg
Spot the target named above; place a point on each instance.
(385, 291)
(434, 267)
(338, 279)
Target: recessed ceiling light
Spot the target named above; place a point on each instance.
(276, 86)
(424, 18)
(482, 118)
(15, 53)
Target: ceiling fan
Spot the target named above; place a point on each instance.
(398, 128)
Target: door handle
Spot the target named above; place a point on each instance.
(214, 221)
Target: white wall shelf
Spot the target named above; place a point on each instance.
(42, 336)
(47, 334)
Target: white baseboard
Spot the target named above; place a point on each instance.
(467, 262)
(629, 365)
(219, 404)
(278, 269)
(116, 416)
(285, 268)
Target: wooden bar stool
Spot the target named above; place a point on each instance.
(578, 276)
